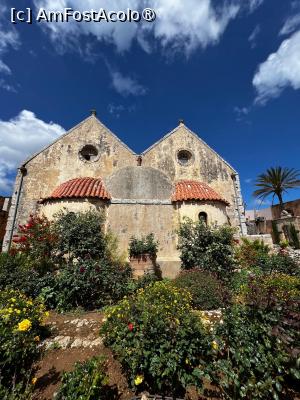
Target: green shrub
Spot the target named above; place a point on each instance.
(36, 240)
(88, 381)
(248, 253)
(90, 284)
(206, 248)
(250, 362)
(270, 291)
(19, 391)
(277, 263)
(157, 338)
(145, 245)
(80, 235)
(207, 291)
(21, 322)
(276, 299)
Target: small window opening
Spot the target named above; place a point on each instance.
(203, 217)
(184, 157)
(89, 152)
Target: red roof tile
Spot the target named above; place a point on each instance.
(194, 190)
(80, 188)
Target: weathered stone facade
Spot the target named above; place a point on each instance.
(4, 209)
(140, 187)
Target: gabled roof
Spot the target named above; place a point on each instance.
(80, 188)
(70, 131)
(193, 134)
(195, 190)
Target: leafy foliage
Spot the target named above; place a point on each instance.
(249, 362)
(87, 381)
(80, 235)
(207, 291)
(278, 263)
(20, 328)
(157, 338)
(276, 181)
(90, 284)
(36, 240)
(248, 253)
(145, 245)
(206, 248)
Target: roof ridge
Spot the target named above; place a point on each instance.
(192, 133)
(70, 131)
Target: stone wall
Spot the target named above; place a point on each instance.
(141, 195)
(291, 206)
(216, 212)
(52, 207)
(4, 210)
(206, 165)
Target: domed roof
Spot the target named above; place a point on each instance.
(80, 188)
(194, 190)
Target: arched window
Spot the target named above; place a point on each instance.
(203, 217)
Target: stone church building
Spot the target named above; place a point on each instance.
(90, 168)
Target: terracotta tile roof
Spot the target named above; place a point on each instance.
(194, 190)
(80, 188)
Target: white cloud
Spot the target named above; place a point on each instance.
(280, 70)
(252, 38)
(241, 113)
(254, 4)
(290, 25)
(20, 137)
(125, 85)
(9, 39)
(6, 86)
(180, 25)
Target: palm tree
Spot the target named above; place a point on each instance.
(276, 181)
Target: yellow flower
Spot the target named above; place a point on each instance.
(36, 338)
(214, 345)
(13, 299)
(17, 311)
(33, 381)
(138, 380)
(47, 314)
(24, 325)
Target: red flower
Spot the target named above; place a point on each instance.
(81, 269)
(130, 326)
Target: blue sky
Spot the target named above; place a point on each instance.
(230, 69)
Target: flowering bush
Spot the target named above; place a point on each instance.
(88, 380)
(249, 361)
(270, 291)
(21, 321)
(207, 248)
(249, 251)
(36, 240)
(90, 284)
(207, 291)
(157, 337)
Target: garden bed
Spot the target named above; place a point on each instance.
(57, 359)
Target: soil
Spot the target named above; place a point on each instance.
(82, 331)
